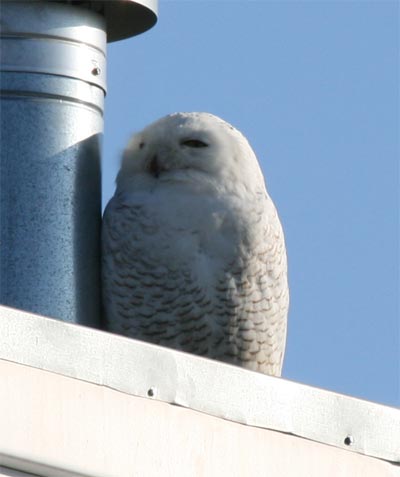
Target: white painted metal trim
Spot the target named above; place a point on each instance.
(214, 388)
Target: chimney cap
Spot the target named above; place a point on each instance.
(125, 18)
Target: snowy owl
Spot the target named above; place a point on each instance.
(193, 251)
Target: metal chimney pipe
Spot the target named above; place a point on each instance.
(53, 82)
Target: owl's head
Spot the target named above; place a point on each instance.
(192, 149)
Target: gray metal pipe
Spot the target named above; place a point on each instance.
(52, 93)
(53, 82)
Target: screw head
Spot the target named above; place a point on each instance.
(150, 392)
(96, 71)
(348, 440)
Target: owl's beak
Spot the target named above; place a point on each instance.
(154, 166)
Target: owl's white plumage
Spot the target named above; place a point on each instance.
(193, 250)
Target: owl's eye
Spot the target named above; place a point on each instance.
(193, 143)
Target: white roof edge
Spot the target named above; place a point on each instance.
(214, 388)
(26, 468)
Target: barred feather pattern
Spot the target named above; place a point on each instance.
(193, 260)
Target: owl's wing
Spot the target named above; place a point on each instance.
(217, 288)
(253, 295)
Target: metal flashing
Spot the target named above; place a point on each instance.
(214, 388)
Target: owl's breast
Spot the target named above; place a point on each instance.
(195, 232)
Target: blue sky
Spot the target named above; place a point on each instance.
(315, 88)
